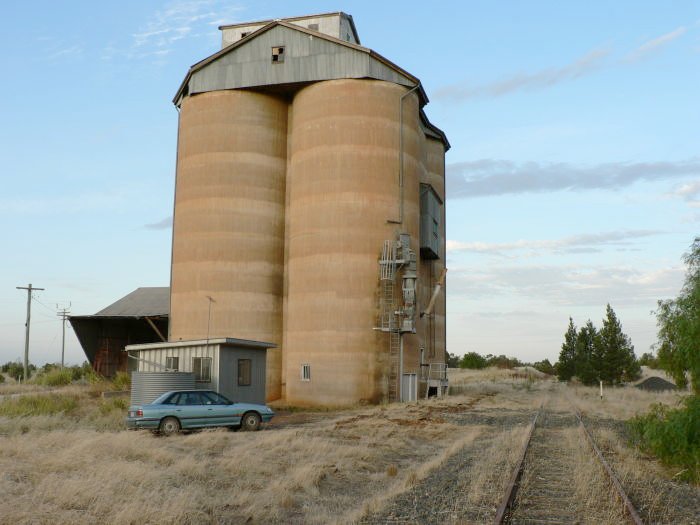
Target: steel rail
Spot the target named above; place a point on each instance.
(634, 516)
(511, 490)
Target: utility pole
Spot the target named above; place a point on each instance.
(29, 289)
(63, 314)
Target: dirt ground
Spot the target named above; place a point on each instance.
(433, 461)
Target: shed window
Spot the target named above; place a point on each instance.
(306, 372)
(244, 372)
(201, 366)
(245, 34)
(313, 27)
(278, 54)
(172, 363)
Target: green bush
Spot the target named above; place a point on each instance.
(38, 405)
(2, 378)
(673, 435)
(122, 381)
(15, 369)
(116, 403)
(55, 377)
(472, 360)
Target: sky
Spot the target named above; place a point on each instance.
(573, 180)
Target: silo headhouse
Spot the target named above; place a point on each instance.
(309, 212)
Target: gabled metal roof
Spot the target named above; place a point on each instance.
(142, 302)
(229, 77)
(296, 18)
(315, 34)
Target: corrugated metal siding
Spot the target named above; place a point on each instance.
(228, 374)
(307, 59)
(158, 355)
(147, 386)
(430, 213)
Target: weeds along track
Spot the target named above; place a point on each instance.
(461, 488)
(562, 477)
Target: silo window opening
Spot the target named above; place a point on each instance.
(278, 54)
(172, 363)
(244, 372)
(201, 366)
(313, 27)
(306, 372)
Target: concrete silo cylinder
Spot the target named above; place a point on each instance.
(342, 188)
(228, 231)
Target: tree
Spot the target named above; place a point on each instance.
(452, 360)
(678, 322)
(566, 367)
(545, 367)
(472, 360)
(648, 359)
(586, 342)
(614, 358)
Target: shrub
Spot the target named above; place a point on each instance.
(472, 360)
(673, 435)
(2, 378)
(15, 369)
(117, 403)
(122, 381)
(55, 377)
(38, 405)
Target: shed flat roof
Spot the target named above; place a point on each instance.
(223, 341)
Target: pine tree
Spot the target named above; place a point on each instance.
(566, 367)
(584, 361)
(616, 351)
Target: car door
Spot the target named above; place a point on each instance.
(190, 410)
(218, 410)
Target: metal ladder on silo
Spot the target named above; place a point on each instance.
(388, 321)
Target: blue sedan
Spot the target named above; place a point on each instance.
(190, 409)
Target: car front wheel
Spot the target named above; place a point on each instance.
(169, 426)
(250, 421)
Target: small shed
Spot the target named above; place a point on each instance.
(233, 367)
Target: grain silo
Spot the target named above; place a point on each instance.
(309, 212)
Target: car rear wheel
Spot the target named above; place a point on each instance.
(250, 421)
(169, 426)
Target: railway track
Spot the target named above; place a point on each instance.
(546, 485)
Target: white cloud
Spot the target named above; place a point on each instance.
(541, 79)
(486, 177)
(179, 20)
(564, 286)
(583, 243)
(655, 43)
(164, 224)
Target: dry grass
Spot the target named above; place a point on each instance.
(318, 473)
(620, 403)
(591, 484)
(332, 467)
